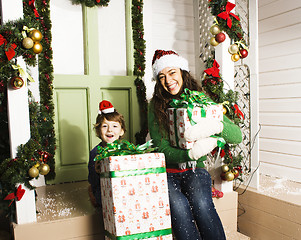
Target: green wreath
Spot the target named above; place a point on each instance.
(91, 3)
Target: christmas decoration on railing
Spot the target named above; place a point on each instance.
(15, 195)
(139, 67)
(32, 40)
(91, 3)
(216, 193)
(11, 42)
(30, 161)
(46, 126)
(38, 152)
(214, 86)
(227, 22)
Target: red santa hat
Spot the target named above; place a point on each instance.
(105, 107)
(163, 59)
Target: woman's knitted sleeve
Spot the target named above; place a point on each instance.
(231, 132)
(172, 154)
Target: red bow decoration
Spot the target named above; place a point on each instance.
(226, 14)
(222, 153)
(10, 53)
(31, 4)
(12, 196)
(214, 71)
(98, 1)
(238, 112)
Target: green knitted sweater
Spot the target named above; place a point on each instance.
(231, 133)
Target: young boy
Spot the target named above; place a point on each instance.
(109, 126)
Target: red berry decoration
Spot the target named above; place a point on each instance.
(220, 37)
(243, 53)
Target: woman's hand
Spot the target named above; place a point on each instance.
(202, 147)
(204, 128)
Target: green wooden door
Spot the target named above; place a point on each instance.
(76, 96)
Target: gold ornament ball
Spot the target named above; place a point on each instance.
(233, 49)
(225, 168)
(213, 42)
(37, 48)
(27, 43)
(35, 35)
(33, 172)
(235, 57)
(224, 110)
(44, 169)
(229, 176)
(215, 29)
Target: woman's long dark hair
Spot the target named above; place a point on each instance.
(162, 98)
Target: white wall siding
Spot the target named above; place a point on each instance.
(168, 25)
(280, 88)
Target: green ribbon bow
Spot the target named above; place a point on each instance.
(121, 148)
(191, 99)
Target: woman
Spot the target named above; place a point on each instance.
(192, 210)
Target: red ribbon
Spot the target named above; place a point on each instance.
(31, 4)
(222, 153)
(226, 14)
(10, 52)
(18, 196)
(214, 71)
(238, 112)
(98, 1)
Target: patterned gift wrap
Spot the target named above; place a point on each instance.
(179, 121)
(134, 197)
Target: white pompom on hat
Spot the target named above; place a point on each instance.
(170, 58)
(105, 107)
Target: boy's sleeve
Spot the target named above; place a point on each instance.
(93, 177)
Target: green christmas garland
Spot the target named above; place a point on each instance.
(139, 67)
(39, 150)
(46, 128)
(235, 32)
(92, 3)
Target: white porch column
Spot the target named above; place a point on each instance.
(252, 62)
(223, 58)
(18, 120)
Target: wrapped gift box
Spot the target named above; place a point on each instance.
(134, 197)
(179, 122)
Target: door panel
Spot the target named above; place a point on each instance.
(100, 68)
(72, 127)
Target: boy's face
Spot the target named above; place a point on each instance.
(110, 131)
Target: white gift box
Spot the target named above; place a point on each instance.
(179, 122)
(134, 197)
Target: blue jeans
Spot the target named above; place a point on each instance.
(193, 214)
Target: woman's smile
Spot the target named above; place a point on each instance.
(171, 79)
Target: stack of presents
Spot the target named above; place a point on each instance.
(134, 189)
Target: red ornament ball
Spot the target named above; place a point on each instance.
(220, 37)
(220, 194)
(243, 53)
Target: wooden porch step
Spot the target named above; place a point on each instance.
(64, 212)
(233, 235)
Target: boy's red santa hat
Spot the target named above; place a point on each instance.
(163, 59)
(105, 107)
